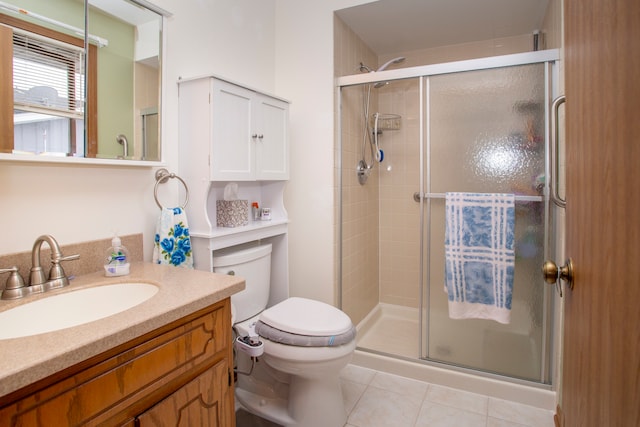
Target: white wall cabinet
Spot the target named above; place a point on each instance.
(231, 133)
(249, 134)
(244, 131)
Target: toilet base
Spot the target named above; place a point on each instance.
(311, 403)
(268, 408)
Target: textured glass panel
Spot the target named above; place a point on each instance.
(487, 130)
(487, 135)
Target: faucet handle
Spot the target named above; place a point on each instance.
(14, 288)
(66, 258)
(57, 277)
(15, 280)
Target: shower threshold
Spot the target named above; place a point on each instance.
(394, 330)
(387, 341)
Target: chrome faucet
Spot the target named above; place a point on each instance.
(122, 140)
(15, 286)
(57, 278)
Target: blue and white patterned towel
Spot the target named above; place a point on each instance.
(172, 244)
(479, 255)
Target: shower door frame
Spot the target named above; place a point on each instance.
(550, 58)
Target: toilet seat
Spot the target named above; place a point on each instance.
(303, 316)
(305, 323)
(287, 338)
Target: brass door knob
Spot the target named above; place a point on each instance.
(552, 272)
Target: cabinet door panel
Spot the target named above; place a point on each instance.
(204, 402)
(272, 150)
(232, 151)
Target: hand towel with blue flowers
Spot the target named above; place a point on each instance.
(172, 244)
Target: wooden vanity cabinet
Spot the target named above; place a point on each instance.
(198, 403)
(177, 375)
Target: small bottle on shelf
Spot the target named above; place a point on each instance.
(255, 211)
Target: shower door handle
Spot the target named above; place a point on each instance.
(554, 168)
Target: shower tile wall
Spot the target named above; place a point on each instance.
(399, 179)
(360, 287)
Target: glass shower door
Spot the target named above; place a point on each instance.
(485, 133)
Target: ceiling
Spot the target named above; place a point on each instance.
(393, 26)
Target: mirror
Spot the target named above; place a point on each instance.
(122, 82)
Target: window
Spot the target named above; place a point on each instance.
(48, 76)
(47, 90)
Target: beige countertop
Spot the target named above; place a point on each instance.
(181, 291)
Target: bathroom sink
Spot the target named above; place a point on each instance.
(74, 308)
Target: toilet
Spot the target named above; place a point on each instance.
(304, 344)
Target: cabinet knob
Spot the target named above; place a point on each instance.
(260, 136)
(254, 136)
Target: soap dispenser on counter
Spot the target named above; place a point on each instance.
(117, 260)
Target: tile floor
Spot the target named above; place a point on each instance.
(375, 398)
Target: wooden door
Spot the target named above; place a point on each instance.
(601, 362)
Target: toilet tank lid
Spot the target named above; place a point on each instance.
(307, 317)
(239, 254)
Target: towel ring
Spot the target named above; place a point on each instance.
(162, 176)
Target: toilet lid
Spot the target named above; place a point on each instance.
(307, 317)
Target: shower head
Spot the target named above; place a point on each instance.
(364, 69)
(392, 61)
(384, 66)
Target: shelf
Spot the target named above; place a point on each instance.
(223, 237)
(44, 158)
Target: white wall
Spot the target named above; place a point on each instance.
(304, 75)
(73, 204)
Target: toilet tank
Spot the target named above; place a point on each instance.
(253, 263)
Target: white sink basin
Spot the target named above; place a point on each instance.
(72, 308)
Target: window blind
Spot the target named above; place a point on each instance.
(48, 76)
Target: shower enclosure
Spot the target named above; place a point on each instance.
(471, 126)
